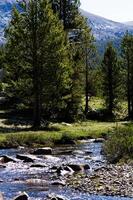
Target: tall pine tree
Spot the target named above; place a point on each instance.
(110, 69)
(127, 54)
(39, 61)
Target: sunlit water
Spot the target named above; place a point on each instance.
(13, 177)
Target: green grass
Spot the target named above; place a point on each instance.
(57, 133)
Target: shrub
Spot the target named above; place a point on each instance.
(119, 145)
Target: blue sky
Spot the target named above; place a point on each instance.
(117, 10)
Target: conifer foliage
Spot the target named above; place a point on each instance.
(38, 66)
(110, 69)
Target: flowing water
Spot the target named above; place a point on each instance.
(14, 177)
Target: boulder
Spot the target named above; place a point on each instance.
(43, 151)
(26, 158)
(22, 196)
(6, 159)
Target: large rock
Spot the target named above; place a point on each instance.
(6, 159)
(43, 151)
(26, 158)
(22, 196)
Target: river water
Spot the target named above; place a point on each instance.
(14, 178)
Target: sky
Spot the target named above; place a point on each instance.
(116, 10)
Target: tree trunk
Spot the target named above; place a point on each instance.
(86, 86)
(36, 73)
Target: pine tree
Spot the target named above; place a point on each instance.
(110, 69)
(40, 53)
(67, 10)
(127, 54)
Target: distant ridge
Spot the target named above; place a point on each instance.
(130, 23)
(106, 30)
(103, 29)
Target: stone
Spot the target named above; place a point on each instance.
(99, 140)
(38, 182)
(1, 196)
(39, 165)
(86, 167)
(6, 159)
(58, 182)
(43, 151)
(76, 167)
(2, 166)
(26, 158)
(65, 170)
(22, 196)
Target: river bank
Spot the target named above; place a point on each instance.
(112, 180)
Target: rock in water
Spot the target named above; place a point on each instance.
(6, 159)
(26, 158)
(22, 196)
(1, 196)
(56, 197)
(99, 140)
(43, 151)
(38, 165)
(76, 167)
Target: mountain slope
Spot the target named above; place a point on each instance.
(103, 29)
(106, 30)
(5, 14)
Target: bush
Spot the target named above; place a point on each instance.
(119, 145)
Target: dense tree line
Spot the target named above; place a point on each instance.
(45, 59)
(52, 67)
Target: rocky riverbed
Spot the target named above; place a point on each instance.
(113, 180)
(74, 172)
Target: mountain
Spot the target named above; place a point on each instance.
(5, 14)
(103, 29)
(130, 23)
